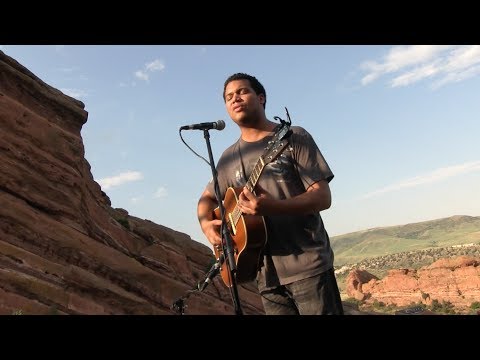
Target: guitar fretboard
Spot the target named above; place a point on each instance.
(252, 181)
(257, 171)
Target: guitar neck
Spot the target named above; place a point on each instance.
(250, 185)
(257, 171)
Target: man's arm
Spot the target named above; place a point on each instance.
(211, 228)
(317, 198)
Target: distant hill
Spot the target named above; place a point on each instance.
(354, 247)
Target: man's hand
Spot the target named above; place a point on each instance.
(315, 199)
(211, 229)
(252, 204)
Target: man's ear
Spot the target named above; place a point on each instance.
(262, 98)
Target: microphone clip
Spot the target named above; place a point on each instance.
(214, 270)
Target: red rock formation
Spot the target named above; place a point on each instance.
(63, 248)
(455, 280)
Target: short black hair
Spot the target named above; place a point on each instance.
(254, 83)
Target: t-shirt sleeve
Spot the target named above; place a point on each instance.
(222, 174)
(311, 165)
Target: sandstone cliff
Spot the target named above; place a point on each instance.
(454, 281)
(63, 248)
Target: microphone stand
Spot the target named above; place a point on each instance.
(179, 305)
(227, 242)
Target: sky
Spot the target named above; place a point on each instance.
(398, 125)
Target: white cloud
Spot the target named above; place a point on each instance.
(126, 177)
(155, 65)
(434, 176)
(457, 76)
(463, 57)
(71, 73)
(440, 63)
(142, 75)
(416, 74)
(151, 67)
(68, 69)
(75, 93)
(135, 200)
(161, 192)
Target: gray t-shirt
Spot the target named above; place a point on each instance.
(298, 247)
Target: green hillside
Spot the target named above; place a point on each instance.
(354, 247)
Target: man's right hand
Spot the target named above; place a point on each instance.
(206, 216)
(211, 229)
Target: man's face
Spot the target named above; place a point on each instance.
(242, 103)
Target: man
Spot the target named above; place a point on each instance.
(296, 276)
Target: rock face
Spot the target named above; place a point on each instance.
(454, 280)
(63, 248)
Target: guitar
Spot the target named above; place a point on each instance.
(248, 232)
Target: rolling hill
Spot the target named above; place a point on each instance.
(456, 230)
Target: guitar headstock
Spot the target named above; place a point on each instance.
(273, 150)
(277, 144)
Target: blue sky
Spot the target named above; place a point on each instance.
(398, 125)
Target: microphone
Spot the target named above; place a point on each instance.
(214, 270)
(218, 125)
